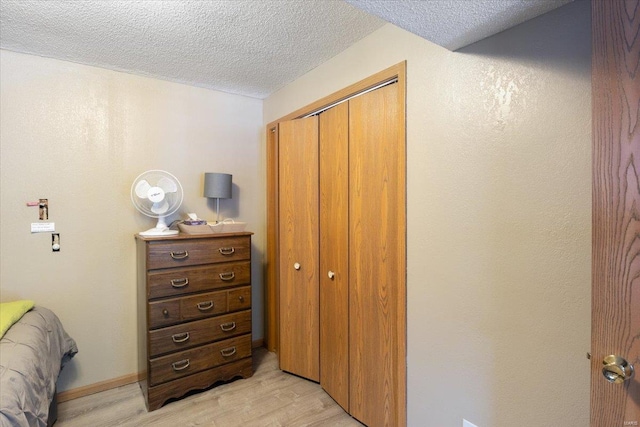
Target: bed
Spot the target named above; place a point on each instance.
(32, 353)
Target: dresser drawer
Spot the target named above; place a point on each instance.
(172, 311)
(179, 281)
(239, 298)
(198, 359)
(198, 332)
(180, 253)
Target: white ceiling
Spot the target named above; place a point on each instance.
(456, 23)
(247, 47)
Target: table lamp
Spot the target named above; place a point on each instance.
(217, 186)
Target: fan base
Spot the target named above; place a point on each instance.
(159, 232)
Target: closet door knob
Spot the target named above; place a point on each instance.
(296, 266)
(331, 274)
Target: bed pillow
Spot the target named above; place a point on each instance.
(11, 312)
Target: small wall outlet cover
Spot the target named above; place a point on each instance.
(466, 423)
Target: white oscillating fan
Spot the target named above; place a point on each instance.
(157, 194)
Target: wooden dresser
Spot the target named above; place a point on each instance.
(194, 313)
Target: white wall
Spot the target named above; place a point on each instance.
(79, 136)
(499, 217)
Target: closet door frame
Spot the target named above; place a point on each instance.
(396, 72)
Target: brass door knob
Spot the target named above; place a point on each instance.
(616, 369)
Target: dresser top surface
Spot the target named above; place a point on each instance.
(185, 236)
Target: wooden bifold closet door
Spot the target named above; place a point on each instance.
(334, 253)
(342, 256)
(298, 241)
(377, 272)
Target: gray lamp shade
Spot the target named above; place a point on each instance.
(217, 185)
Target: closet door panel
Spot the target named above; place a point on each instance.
(377, 257)
(334, 253)
(299, 251)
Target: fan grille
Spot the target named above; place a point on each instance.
(151, 183)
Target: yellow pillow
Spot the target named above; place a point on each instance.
(11, 312)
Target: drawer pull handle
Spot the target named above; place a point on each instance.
(227, 276)
(227, 251)
(204, 306)
(228, 352)
(179, 255)
(241, 298)
(180, 337)
(165, 312)
(180, 365)
(228, 326)
(179, 283)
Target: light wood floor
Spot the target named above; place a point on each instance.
(269, 398)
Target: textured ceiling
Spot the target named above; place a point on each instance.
(250, 47)
(456, 23)
(247, 47)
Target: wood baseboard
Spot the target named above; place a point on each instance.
(75, 393)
